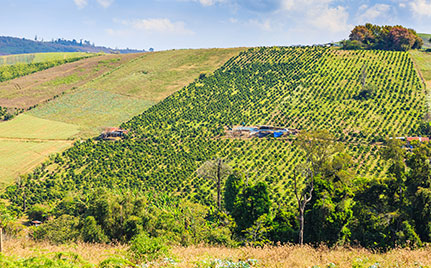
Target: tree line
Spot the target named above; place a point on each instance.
(370, 36)
(334, 205)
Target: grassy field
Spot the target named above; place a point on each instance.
(30, 90)
(129, 89)
(92, 110)
(40, 57)
(18, 157)
(26, 126)
(423, 62)
(123, 86)
(426, 38)
(154, 76)
(208, 256)
(26, 141)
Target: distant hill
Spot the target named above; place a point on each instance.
(426, 38)
(14, 45)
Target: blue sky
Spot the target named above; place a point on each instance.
(167, 24)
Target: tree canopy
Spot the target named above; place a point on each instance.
(370, 36)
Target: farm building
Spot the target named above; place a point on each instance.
(409, 140)
(113, 132)
(261, 131)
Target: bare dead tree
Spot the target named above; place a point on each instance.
(216, 170)
(303, 196)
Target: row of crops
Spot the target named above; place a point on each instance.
(8, 72)
(307, 88)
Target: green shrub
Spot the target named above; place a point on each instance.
(59, 230)
(144, 248)
(92, 232)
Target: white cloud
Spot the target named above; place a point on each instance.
(80, 3)
(421, 7)
(161, 25)
(373, 12)
(264, 25)
(317, 14)
(105, 3)
(332, 19)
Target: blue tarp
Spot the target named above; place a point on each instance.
(278, 134)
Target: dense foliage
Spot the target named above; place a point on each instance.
(307, 88)
(13, 45)
(371, 36)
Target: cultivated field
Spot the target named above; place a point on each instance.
(208, 256)
(130, 89)
(26, 141)
(92, 110)
(122, 91)
(305, 88)
(26, 126)
(18, 157)
(36, 88)
(40, 57)
(154, 76)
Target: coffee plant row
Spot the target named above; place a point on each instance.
(309, 88)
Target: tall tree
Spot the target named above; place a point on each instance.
(318, 147)
(232, 188)
(216, 170)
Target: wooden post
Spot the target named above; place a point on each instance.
(1, 239)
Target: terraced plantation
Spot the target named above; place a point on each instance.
(80, 99)
(308, 88)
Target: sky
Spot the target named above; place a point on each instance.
(175, 24)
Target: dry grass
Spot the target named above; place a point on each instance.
(296, 256)
(39, 87)
(93, 253)
(271, 256)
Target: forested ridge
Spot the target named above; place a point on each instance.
(359, 98)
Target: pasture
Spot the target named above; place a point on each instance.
(154, 76)
(91, 110)
(26, 126)
(18, 157)
(26, 141)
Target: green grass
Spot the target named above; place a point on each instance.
(308, 88)
(426, 38)
(20, 157)
(155, 76)
(26, 126)
(423, 61)
(41, 57)
(26, 141)
(91, 110)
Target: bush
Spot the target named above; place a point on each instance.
(58, 231)
(92, 232)
(145, 248)
(38, 212)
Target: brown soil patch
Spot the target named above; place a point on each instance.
(33, 89)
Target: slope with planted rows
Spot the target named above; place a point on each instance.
(307, 88)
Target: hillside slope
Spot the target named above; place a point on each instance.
(308, 88)
(82, 98)
(129, 89)
(30, 90)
